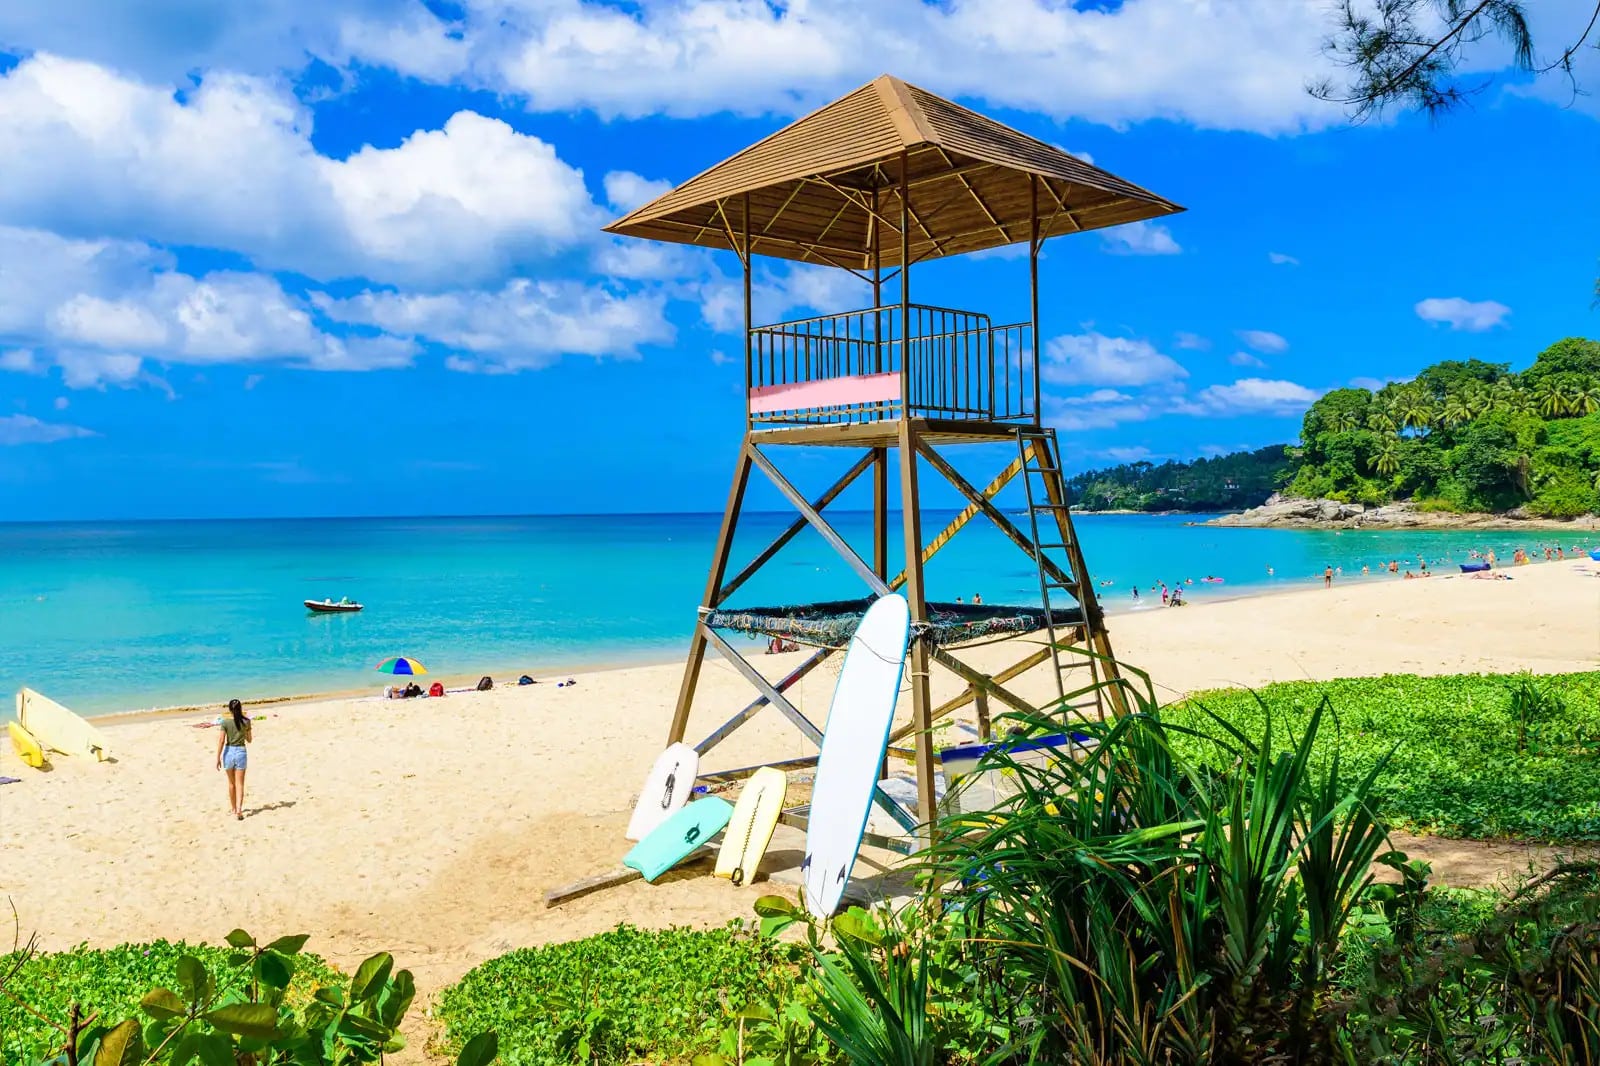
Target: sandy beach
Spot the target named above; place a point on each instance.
(434, 827)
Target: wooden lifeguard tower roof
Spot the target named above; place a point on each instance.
(817, 186)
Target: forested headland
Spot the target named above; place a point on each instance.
(1463, 436)
(1224, 483)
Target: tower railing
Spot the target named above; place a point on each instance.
(861, 366)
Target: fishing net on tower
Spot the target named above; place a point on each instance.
(832, 624)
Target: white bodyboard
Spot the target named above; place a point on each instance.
(666, 789)
(852, 751)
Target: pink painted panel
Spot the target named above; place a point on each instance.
(827, 392)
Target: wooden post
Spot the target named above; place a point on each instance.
(877, 286)
(981, 698)
(719, 567)
(749, 348)
(905, 311)
(880, 511)
(1033, 284)
(916, 596)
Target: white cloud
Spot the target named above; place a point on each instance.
(695, 57)
(21, 361)
(97, 310)
(61, 403)
(778, 295)
(230, 164)
(1374, 384)
(1191, 342)
(1140, 238)
(1096, 359)
(1251, 396)
(1131, 454)
(1245, 359)
(1264, 341)
(523, 326)
(626, 190)
(25, 429)
(721, 358)
(1468, 315)
(1282, 259)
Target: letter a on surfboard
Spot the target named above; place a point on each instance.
(852, 750)
(749, 832)
(665, 790)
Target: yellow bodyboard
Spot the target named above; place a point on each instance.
(28, 749)
(57, 728)
(749, 831)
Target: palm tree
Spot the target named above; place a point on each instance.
(1382, 421)
(1476, 400)
(1414, 409)
(1455, 411)
(1388, 458)
(1553, 400)
(1586, 398)
(1343, 421)
(1503, 394)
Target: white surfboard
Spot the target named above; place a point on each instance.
(749, 831)
(57, 728)
(665, 790)
(852, 751)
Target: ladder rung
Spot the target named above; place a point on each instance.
(1053, 544)
(1060, 584)
(1046, 469)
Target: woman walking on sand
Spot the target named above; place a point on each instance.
(233, 734)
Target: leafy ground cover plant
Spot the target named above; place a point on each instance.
(1472, 755)
(252, 1003)
(634, 995)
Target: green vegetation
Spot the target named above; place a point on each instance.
(631, 994)
(1476, 756)
(1225, 483)
(1464, 436)
(165, 1004)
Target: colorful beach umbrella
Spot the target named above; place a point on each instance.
(402, 666)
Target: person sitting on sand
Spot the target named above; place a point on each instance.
(233, 733)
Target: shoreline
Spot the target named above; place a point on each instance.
(458, 683)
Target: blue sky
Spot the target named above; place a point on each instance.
(297, 258)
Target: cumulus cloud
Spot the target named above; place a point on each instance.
(1245, 359)
(696, 57)
(229, 163)
(626, 190)
(1252, 396)
(1096, 359)
(97, 310)
(25, 429)
(1282, 259)
(523, 326)
(1140, 238)
(1264, 341)
(777, 295)
(1467, 315)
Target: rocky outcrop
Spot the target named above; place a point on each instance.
(1293, 513)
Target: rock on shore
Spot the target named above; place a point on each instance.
(1295, 513)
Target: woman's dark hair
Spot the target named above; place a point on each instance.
(237, 709)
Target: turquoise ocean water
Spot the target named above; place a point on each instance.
(114, 616)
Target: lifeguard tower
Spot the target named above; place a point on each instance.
(874, 183)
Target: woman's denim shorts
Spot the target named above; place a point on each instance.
(233, 757)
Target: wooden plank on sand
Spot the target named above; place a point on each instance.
(611, 878)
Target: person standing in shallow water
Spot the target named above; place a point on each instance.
(233, 733)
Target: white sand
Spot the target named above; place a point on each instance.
(433, 827)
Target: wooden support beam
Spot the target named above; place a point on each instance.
(818, 523)
(765, 687)
(726, 729)
(972, 677)
(982, 699)
(917, 598)
(789, 534)
(944, 536)
(584, 886)
(950, 706)
(719, 566)
(983, 503)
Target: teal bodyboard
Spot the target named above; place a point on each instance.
(669, 843)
